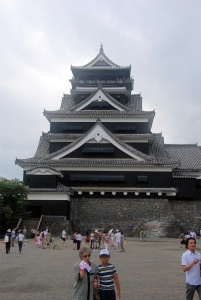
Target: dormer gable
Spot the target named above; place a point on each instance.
(101, 60)
(100, 96)
(98, 134)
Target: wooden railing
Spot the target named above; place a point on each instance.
(39, 222)
(18, 224)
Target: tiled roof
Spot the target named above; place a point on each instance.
(157, 148)
(89, 162)
(124, 189)
(89, 90)
(186, 174)
(43, 148)
(135, 103)
(74, 136)
(188, 154)
(120, 142)
(106, 95)
(67, 102)
(60, 189)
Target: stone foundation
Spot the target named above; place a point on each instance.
(55, 225)
(158, 217)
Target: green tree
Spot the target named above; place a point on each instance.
(13, 201)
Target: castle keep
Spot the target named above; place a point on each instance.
(101, 166)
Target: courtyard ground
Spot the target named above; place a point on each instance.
(149, 270)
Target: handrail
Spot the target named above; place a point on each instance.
(18, 224)
(39, 222)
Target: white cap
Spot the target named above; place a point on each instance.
(117, 230)
(104, 252)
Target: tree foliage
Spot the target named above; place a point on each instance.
(13, 201)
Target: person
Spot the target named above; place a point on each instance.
(63, 236)
(37, 239)
(112, 236)
(190, 262)
(122, 242)
(92, 240)
(79, 240)
(106, 240)
(117, 240)
(96, 240)
(87, 238)
(99, 239)
(85, 276)
(48, 237)
(20, 241)
(182, 239)
(43, 239)
(13, 236)
(74, 240)
(7, 244)
(142, 235)
(107, 275)
(24, 231)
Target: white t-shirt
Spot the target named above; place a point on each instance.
(193, 274)
(118, 237)
(63, 234)
(78, 237)
(20, 237)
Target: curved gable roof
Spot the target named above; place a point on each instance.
(98, 95)
(99, 132)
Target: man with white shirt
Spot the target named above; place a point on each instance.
(118, 240)
(191, 265)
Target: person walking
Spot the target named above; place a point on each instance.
(117, 240)
(20, 241)
(79, 240)
(74, 240)
(8, 237)
(142, 234)
(122, 242)
(63, 236)
(92, 240)
(190, 262)
(13, 236)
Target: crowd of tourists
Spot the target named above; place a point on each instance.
(97, 240)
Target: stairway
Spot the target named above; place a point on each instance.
(30, 223)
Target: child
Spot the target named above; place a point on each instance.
(107, 274)
(37, 239)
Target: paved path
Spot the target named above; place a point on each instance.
(149, 270)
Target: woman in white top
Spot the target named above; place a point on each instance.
(20, 241)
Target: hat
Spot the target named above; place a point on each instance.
(117, 230)
(104, 252)
(96, 230)
(9, 230)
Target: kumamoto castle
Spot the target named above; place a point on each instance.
(100, 166)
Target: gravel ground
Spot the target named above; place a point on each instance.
(150, 270)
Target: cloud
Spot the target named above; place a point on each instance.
(41, 39)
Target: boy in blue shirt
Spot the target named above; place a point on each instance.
(107, 275)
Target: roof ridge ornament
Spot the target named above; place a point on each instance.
(101, 48)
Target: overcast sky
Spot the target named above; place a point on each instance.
(41, 39)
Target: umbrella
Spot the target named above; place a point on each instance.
(110, 231)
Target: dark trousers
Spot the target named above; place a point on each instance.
(7, 247)
(78, 245)
(190, 291)
(107, 295)
(20, 243)
(92, 244)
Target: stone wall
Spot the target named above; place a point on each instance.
(55, 225)
(158, 217)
